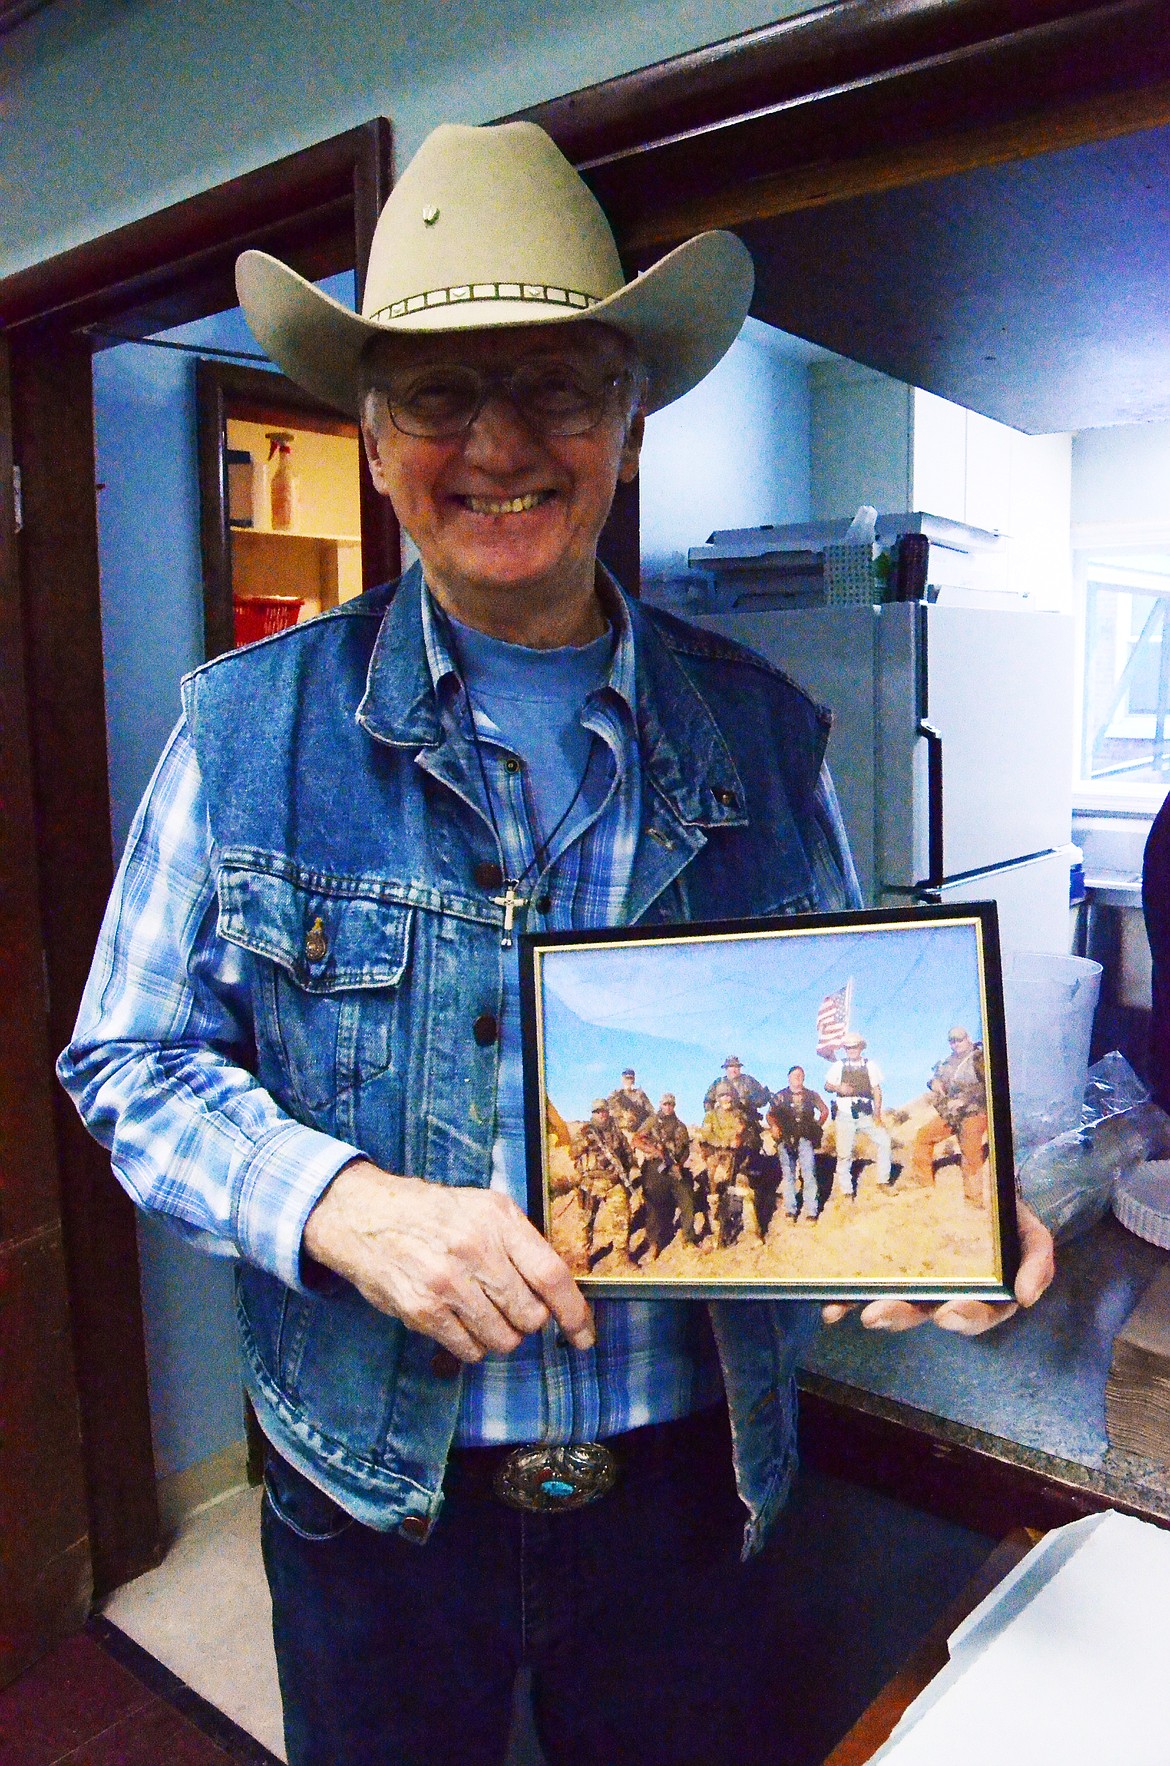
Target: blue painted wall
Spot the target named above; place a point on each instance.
(152, 634)
(111, 108)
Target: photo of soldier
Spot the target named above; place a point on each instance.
(601, 1161)
(628, 1105)
(796, 1118)
(752, 1097)
(664, 1143)
(727, 1140)
(958, 1093)
(856, 1084)
(750, 1093)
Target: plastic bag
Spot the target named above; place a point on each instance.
(1069, 1181)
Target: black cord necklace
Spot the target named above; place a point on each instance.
(510, 900)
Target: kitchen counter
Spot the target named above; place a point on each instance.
(997, 1431)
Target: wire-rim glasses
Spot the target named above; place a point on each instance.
(551, 395)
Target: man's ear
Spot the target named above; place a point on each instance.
(373, 455)
(632, 447)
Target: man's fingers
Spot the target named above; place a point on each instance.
(1037, 1256)
(548, 1275)
(836, 1310)
(894, 1315)
(970, 1318)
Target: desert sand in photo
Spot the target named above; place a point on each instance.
(930, 1232)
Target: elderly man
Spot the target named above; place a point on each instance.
(301, 1035)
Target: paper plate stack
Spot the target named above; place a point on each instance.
(1141, 1201)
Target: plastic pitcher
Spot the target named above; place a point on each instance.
(1049, 1002)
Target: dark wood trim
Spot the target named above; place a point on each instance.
(179, 264)
(220, 389)
(52, 389)
(913, 162)
(855, 97)
(381, 535)
(45, 1562)
(619, 544)
(810, 55)
(172, 267)
(966, 1484)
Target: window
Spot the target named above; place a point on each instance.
(1125, 712)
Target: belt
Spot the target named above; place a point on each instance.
(547, 1478)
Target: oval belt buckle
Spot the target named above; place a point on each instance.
(542, 1480)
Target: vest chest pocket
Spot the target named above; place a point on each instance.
(332, 957)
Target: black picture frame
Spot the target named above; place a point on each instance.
(649, 989)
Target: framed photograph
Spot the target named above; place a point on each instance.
(798, 1108)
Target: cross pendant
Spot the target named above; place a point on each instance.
(509, 901)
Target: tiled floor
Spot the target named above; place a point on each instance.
(205, 1614)
(80, 1707)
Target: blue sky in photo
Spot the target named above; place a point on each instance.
(673, 1010)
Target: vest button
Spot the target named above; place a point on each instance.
(512, 765)
(485, 1029)
(727, 798)
(316, 943)
(444, 1365)
(488, 874)
(416, 1528)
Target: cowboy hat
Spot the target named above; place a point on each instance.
(493, 226)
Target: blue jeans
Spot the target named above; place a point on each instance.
(649, 1642)
(807, 1193)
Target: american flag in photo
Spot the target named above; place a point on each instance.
(833, 1020)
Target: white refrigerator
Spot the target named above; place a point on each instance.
(951, 748)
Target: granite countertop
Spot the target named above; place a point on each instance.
(1032, 1391)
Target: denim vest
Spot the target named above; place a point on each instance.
(347, 828)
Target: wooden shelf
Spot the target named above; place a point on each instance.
(284, 533)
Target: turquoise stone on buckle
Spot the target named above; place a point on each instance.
(548, 1480)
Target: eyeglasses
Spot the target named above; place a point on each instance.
(552, 396)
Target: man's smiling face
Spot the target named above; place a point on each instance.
(505, 517)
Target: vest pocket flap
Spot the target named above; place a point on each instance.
(327, 939)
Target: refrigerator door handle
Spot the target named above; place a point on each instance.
(934, 803)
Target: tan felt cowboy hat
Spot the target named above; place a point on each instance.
(492, 226)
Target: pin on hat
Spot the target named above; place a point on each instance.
(493, 227)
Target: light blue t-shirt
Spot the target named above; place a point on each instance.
(535, 699)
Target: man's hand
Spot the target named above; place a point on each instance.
(969, 1317)
(463, 1266)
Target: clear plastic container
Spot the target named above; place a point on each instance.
(1049, 1001)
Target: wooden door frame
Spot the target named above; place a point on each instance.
(854, 98)
(219, 386)
(317, 209)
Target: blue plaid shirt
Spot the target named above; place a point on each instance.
(236, 1175)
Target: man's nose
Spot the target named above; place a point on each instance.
(498, 437)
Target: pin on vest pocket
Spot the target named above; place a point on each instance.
(316, 943)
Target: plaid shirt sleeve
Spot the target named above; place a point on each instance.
(159, 1065)
(834, 876)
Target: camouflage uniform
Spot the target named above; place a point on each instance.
(725, 1141)
(665, 1143)
(602, 1162)
(629, 1109)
